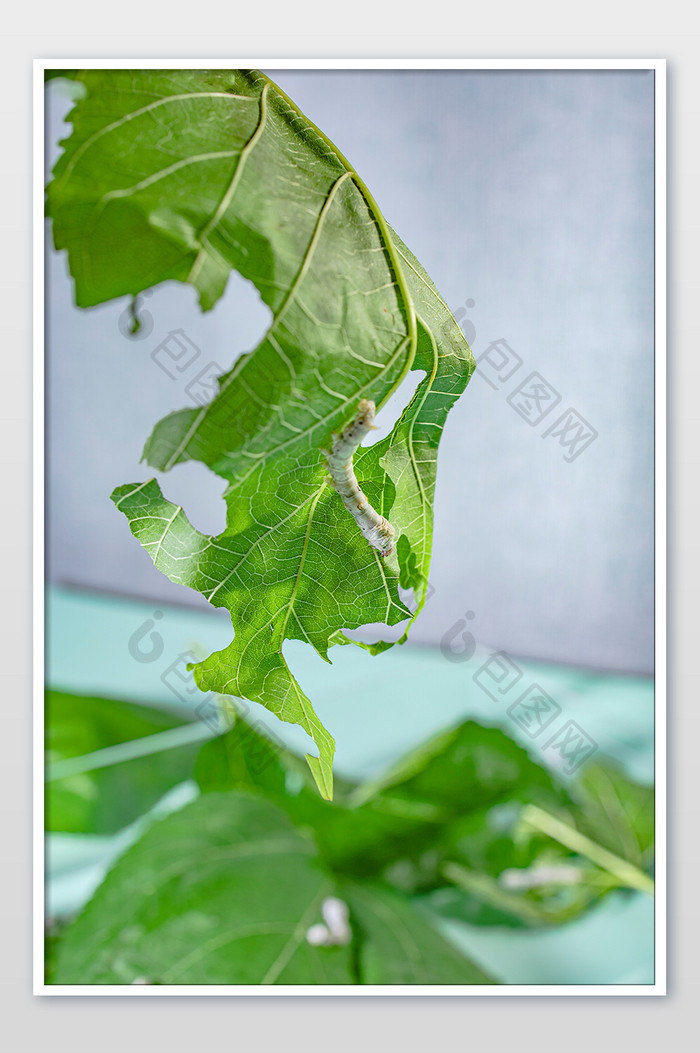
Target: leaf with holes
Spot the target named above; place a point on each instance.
(188, 175)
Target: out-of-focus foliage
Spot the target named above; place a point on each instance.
(102, 800)
(468, 826)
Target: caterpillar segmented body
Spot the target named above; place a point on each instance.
(375, 528)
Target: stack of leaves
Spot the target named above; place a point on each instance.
(234, 888)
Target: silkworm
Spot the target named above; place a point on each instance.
(375, 528)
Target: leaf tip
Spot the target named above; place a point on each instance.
(323, 776)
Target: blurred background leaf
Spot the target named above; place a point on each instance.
(98, 797)
(447, 822)
(615, 811)
(221, 892)
(225, 892)
(467, 827)
(536, 865)
(398, 944)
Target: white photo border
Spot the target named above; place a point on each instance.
(658, 66)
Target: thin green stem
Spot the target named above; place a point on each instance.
(145, 746)
(570, 837)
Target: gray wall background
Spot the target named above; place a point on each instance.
(528, 197)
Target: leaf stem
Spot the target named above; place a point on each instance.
(144, 746)
(570, 837)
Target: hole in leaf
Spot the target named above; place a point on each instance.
(394, 407)
(199, 491)
(373, 632)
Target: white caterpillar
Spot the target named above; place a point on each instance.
(375, 528)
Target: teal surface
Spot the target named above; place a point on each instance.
(376, 708)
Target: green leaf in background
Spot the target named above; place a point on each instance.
(403, 851)
(545, 863)
(53, 933)
(60, 74)
(464, 768)
(398, 944)
(351, 840)
(103, 800)
(225, 892)
(405, 823)
(448, 822)
(243, 759)
(616, 812)
(403, 826)
(188, 175)
(222, 892)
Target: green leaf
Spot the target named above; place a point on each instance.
(543, 863)
(476, 781)
(53, 932)
(61, 74)
(399, 945)
(356, 841)
(409, 454)
(616, 812)
(103, 800)
(480, 899)
(187, 175)
(225, 892)
(450, 817)
(246, 759)
(456, 798)
(462, 769)
(393, 827)
(222, 892)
